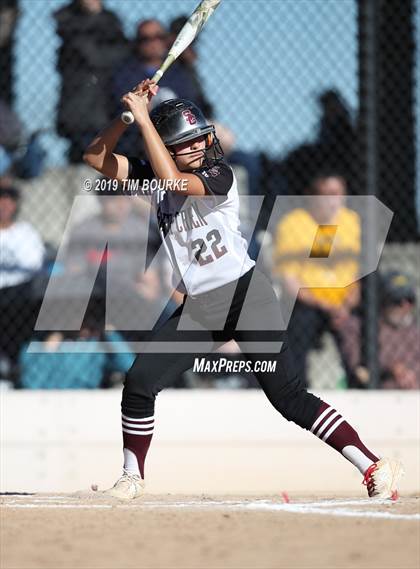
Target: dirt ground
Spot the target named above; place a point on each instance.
(86, 530)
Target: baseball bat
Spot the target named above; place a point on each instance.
(186, 36)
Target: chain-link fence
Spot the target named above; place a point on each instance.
(309, 97)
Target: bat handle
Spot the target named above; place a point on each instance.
(127, 116)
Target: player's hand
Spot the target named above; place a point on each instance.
(147, 86)
(137, 100)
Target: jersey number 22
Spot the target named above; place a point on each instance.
(200, 246)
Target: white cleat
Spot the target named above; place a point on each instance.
(128, 487)
(382, 477)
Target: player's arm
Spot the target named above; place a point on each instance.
(160, 160)
(100, 152)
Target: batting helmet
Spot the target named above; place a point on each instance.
(179, 120)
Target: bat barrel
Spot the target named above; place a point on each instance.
(157, 75)
(185, 37)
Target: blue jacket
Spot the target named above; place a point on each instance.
(61, 370)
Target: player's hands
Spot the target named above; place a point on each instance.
(147, 86)
(137, 100)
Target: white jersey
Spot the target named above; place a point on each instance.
(201, 234)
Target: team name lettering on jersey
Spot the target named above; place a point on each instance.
(184, 220)
(201, 237)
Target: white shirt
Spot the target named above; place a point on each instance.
(21, 253)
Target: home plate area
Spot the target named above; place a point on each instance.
(88, 529)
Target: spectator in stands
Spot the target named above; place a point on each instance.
(11, 137)
(9, 16)
(399, 336)
(128, 234)
(149, 51)
(21, 258)
(337, 136)
(92, 45)
(309, 230)
(335, 144)
(20, 155)
(55, 367)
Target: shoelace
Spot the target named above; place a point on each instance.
(368, 479)
(130, 477)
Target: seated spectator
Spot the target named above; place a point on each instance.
(9, 18)
(325, 307)
(21, 155)
(92, 45)
(149, 51)
(128, 238)
(399, 336)
(11, 137)
(55, 367)
(22, 253)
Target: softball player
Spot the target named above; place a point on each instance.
(212, 269)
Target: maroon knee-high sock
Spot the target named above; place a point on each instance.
(137, 435)
(334, 430)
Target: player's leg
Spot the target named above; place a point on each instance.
(149, 374)
(289, 396)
